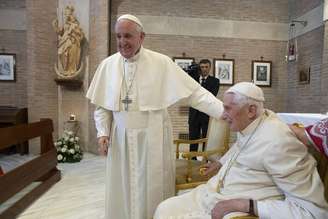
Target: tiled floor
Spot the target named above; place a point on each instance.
(79, 195)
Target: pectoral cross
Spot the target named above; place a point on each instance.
(126, 101)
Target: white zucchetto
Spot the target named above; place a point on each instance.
(131, 18)
(247, 89)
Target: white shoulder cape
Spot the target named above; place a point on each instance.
(161, 82)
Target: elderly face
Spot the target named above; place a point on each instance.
(129, 39)
(238, 117)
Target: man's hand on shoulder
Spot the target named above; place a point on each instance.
(103, 142)
(300, 134)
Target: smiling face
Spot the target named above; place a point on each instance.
(129, 37)
(238, 116)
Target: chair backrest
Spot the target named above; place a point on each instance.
(188, 171)
(218, 135)
(322, 166)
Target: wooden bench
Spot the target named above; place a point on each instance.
(41, 169)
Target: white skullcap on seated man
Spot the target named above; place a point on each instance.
(267, 172)
(249, 90)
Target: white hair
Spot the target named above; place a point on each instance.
(241, 100)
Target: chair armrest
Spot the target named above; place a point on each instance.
(186, 141)
(205, 154)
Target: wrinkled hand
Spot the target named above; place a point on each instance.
(227, 206)
(210, 168)
(300, 134)
(103, 142)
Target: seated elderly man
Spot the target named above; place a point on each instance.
(267, 172)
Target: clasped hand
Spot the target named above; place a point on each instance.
(228, 206)
(209, 169)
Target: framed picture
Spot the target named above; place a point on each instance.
(7, 67)
(304, 76)
(183, 62)
(224, 70)
(261, 73)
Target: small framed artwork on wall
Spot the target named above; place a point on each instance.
(304, 76)
(7, 67)
(224, 70)
(262, 73)
(183, 62)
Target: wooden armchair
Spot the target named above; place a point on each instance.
(217, 143)
(322, 165)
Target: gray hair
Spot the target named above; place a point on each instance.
(241, 100)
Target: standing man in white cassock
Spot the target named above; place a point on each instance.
(132, 90)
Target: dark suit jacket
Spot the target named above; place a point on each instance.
(211, 84)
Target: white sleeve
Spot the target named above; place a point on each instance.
(103, 119)
(228, 154)
(205, 101)
(263, 208)
(289, 208)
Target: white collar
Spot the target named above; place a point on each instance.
(201, 77)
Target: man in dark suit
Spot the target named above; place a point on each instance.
(198, 121)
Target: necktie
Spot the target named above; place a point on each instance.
(202, 82)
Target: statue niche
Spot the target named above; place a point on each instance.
(70, 35)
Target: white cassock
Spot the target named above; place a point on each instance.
(140, 167)
(268, 164)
